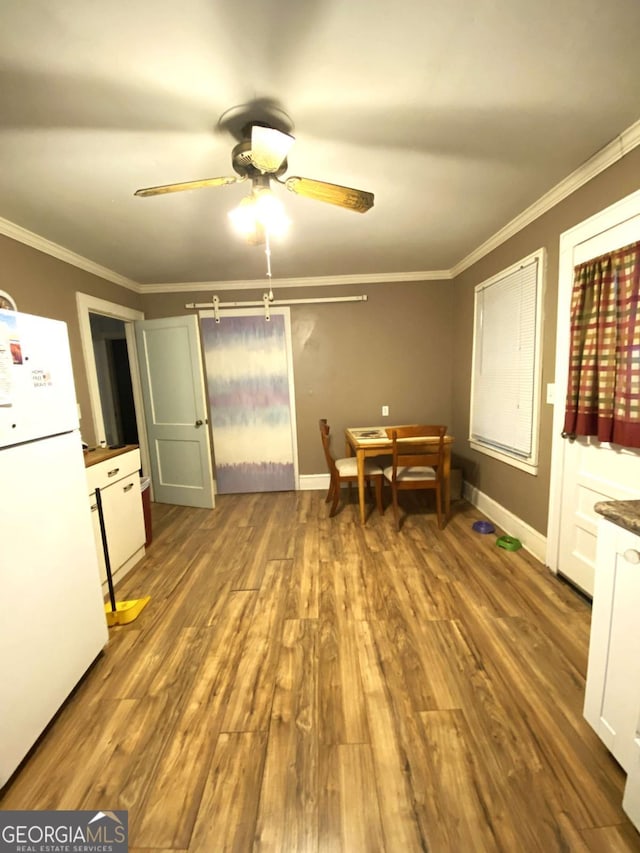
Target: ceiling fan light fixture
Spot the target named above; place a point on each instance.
(271, 213)
(269, 148)
(258, 213)
(243, 217)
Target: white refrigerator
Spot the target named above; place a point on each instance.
(52, 620)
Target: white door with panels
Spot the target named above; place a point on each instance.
(594, 471)
(586, 470)
(176, 410)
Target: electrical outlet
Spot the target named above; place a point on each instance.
(385, 411)
(551, 392)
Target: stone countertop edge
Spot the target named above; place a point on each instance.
(623, 513)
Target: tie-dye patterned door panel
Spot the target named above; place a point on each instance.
(251, 401)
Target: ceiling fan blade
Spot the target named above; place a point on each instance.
(269, 147)
(357, 200)
(189, 185)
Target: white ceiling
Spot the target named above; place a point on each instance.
(457, 115)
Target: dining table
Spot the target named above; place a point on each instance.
(367, 442)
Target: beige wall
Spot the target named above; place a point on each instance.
(408, 346)
(525, 495)
(351, 358)
(46, 286)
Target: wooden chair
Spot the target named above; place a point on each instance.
(345, 470)
(417, 465)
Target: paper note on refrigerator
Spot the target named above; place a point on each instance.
(6, 366)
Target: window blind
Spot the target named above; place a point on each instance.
(504, 363)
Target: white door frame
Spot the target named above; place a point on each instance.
(91, 304)
(599, 223)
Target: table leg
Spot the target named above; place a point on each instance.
(360, 458)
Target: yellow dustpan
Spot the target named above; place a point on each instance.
(125, 611)
(121, 612)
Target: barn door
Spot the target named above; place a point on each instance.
(251, 398)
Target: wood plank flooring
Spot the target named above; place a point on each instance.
(300, 683)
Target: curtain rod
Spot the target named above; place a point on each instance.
(215, 305)
(257, 303)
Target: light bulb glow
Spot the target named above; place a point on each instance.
(260, 211)
(243, 217)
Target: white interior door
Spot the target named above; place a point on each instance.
(176, 411)
(594, 471)
(586, 470)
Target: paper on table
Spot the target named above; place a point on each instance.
(371, 433)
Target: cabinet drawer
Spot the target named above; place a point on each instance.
(104, 473)
(627, 545)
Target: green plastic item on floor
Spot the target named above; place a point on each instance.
(509, 543)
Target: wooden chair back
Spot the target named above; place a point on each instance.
(324, 435)
(345, 470)
(406, 454)
(409, 455)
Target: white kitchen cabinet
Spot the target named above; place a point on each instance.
(118, 479)
(612, 701)
(631, 799)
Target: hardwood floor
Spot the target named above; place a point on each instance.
(300, 683)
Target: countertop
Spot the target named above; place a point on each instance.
(98, 454)
(623, 513)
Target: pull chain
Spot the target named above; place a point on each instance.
(267, 252)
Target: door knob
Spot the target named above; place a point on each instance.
(199, 423)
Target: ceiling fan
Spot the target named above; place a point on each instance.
(261, 156)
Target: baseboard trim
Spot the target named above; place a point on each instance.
(313, 482)
(532, 541)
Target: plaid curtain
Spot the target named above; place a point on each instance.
(603, 394)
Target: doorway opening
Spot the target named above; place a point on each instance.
(116, 408)
(108, 335)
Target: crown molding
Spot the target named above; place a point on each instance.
(21, 235)
(607, 156)
(308, 281)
